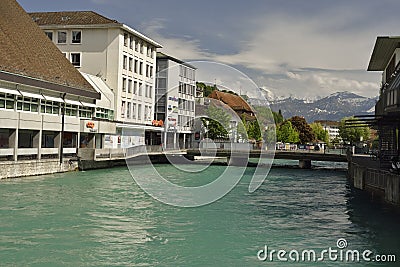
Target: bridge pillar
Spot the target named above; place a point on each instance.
(305, 164)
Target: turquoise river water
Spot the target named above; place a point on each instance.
(102, 218)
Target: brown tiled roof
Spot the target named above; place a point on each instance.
(234, 101)
(27, 52)
(70, 18)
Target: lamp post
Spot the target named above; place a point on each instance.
(62, 128)
(207, 122)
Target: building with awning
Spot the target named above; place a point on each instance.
(385, 58)
(43, 97)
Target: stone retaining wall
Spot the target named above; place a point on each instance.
(12, 169)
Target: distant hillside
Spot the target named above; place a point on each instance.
(333, 107)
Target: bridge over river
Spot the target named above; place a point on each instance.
(304, 157)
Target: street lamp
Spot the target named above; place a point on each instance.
(207, 122)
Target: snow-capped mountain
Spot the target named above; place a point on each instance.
(333, 107)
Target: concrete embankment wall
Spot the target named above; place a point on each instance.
(139, 160)
(378, 182)
(12, 169)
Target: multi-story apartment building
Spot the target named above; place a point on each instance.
(332, 127)
(122, 57)
(386, 58)
(45, 102)
(175, 100)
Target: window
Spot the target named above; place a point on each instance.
(76, 37)
(141, 47)
(62, 37)
(104, 113)
(146, 112)
(134, 111)
(139, 112)
(124, 62)
(50, 35)
(123, 84)
(27, 104)
(140, 89)
(131, 41)
(129, 86)
(148, 51)
(136, 66)
(130, 64)
(126, 39)
(151, 72)
(7, 101)
(123, 109)
(76, 59)
(141, 68)
(180, 87)
(162, 83)
(70, 110)
(147, 71)
(136, 46)
(85, 112)
(135, 85)
(146, 91)
(128, 111)
(150, 91)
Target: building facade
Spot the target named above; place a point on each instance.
(175, 100)
(385, 58)
(332, 127)
(122, 57)
(44, 101)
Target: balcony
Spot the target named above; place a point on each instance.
(389, 100)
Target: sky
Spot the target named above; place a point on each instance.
(299, 48)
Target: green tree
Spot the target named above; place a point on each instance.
(218, 123)
(286, 133)
(353, 134)
(207, 89)
(253, 130)
(303, 128)
(319, 132)
(278, 117)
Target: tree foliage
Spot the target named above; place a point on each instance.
(218, 123)
(353, 134)
(278, 118)
(253, 130)
(286, 133)
(207, 89)
(319, 132)
(306, 133)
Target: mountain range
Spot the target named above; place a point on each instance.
(333, 107)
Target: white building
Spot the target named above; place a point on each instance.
(332, 127)
(122, 57)
(37, 84)
(175, 100)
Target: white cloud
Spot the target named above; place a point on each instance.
(292, 48)
(179, 47)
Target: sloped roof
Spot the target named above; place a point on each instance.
(234, 101)
(383, 52)
(28, 56)
(82, 19)
(70, 18)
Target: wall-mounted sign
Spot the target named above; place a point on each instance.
(157, 123)
(90, 124)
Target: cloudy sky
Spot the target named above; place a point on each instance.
(303, 48)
